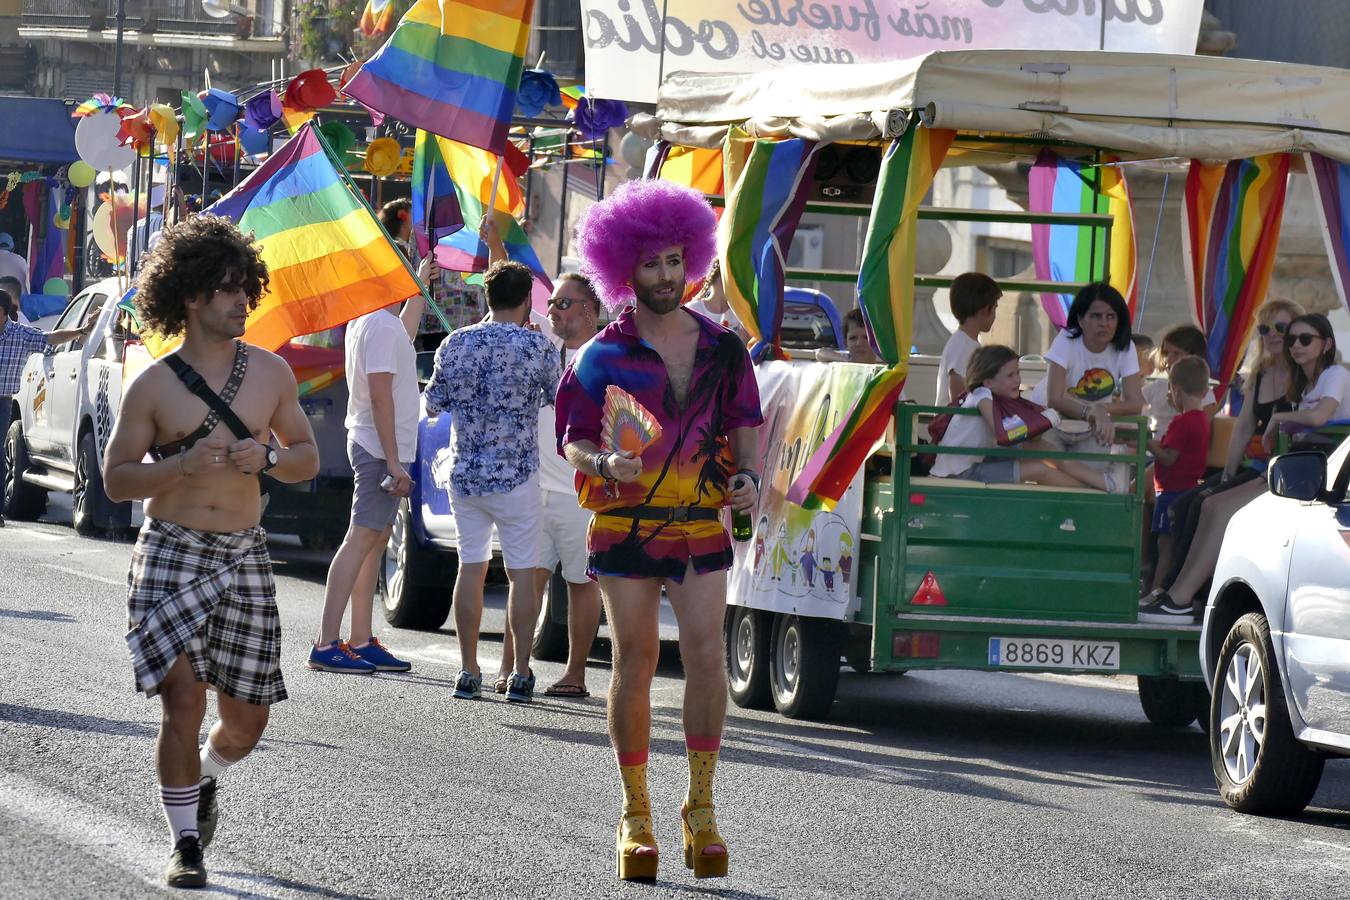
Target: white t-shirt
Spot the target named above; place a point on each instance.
(555, 473)
(1158, 406)
(1087, 375)
(964, 431)
(726, 319)
(956, 355)
(378, 342)
(1334, 382)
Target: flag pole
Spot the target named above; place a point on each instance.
(496, 180)
(351, 186)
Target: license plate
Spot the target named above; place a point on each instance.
(1053, 653)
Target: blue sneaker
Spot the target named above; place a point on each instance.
(379, 656)
(469, 686)
(520, 689)
(338, 657)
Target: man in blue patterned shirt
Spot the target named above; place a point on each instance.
(493, 378)
(17, 343)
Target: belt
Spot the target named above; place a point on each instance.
(666, 513)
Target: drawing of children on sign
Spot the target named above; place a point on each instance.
(845, 557)
(778, 555)
(827, 572)
(760, 533)
(808, 559)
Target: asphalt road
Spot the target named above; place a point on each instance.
(950, 784)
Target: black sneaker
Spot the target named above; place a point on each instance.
(186, 869)
(206, 811)
(468, 686)
(520, 689)
(1166, 611)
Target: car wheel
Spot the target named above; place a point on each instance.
(1259, 765)
(1169, 702)
(804, 656)
(550, 631)
(91, 511)
(746, 632)
(417, 583)
(23, 502)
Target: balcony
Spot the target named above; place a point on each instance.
(180, 23)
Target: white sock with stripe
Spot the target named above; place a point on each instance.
(212, 762)
(180, 809)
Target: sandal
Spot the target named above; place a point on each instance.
(576, 691)
(700, 833)
(633, 840)
(499, 685)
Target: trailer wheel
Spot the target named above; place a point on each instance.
(1169, 702)
(746, 632)
(804, 655)
(550, 632)
(417, 582)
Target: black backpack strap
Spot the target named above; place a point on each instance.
(195, 383)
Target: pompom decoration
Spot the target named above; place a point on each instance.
(592, 118)
(626, 424)
(538, 90)
(642, 217)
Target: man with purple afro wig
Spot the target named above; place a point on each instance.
(658, 500)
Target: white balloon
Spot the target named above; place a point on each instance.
(96, 142)
(633, 149)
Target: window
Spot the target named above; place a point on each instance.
(557, 34)
(1001, 257)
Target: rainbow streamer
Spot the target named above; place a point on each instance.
(451, 67)
(452, 177)
(756, 229)
(1331, 182)
(1067, 252)
(886, 293)
(1233, 213)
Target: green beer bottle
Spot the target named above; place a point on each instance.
(741, 527)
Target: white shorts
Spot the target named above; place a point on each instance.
(565, 527)
(515, 515)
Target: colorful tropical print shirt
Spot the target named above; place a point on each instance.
(691, 463)
(493, 378)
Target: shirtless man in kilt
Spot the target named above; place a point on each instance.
(202, 605)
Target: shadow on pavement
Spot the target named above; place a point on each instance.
(273, 881)
(40, 615)
(55, 718)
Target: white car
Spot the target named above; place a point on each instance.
(1275, 645)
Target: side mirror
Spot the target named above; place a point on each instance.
(1298, 476)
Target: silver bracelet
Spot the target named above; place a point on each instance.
(601, 465)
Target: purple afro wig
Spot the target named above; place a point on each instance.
(642, 217)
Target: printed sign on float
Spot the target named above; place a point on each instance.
(627, 52)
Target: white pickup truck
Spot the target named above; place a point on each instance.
(63, 416)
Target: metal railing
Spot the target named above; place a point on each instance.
(171, 16)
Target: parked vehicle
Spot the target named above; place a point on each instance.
(1275, 643)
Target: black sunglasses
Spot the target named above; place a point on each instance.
(563, 303)
(1304, 339)
(1280, 327)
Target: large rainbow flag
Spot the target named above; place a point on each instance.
(886, 293)
(451, 67)
(328, 259)
(377, 17)
(448, 175)
(695, 167)
(1069, 252)
(756, 229)
(1233, 213)
(1331, 187)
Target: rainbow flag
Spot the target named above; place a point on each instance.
(1233, 213)
(1068, 252)
(377, 17)
(1331, 182)
(756, 230)
(448, 175)
(695, 167)
(328, 259)
(886, 294)
(451, 67)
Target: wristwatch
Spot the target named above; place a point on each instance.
(272, 459)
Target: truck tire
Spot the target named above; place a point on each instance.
(804, 656)
(91, 511)
(1169, 702)
(23, 502)
(746, 632)
(1284, 774)
(417, 583)
(550, 632)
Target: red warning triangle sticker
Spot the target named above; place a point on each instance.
(929, 593)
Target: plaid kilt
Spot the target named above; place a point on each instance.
(209, 595)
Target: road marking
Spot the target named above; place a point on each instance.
(444, 655)
(102, 579)
(33, 533)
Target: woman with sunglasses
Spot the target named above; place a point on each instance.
(1320, 392)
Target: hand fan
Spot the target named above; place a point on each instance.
(626, 424)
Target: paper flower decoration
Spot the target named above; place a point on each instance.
(98, 103)
(194, 115)
(222, 108)
(538, 89)
(137, 131)
(626, 424)
(592, 118)
(165, 122)
(339, 137)
(262, 111)
(254, 141)
(382, 157)
(310, 90)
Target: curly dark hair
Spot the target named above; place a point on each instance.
(192, 258)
